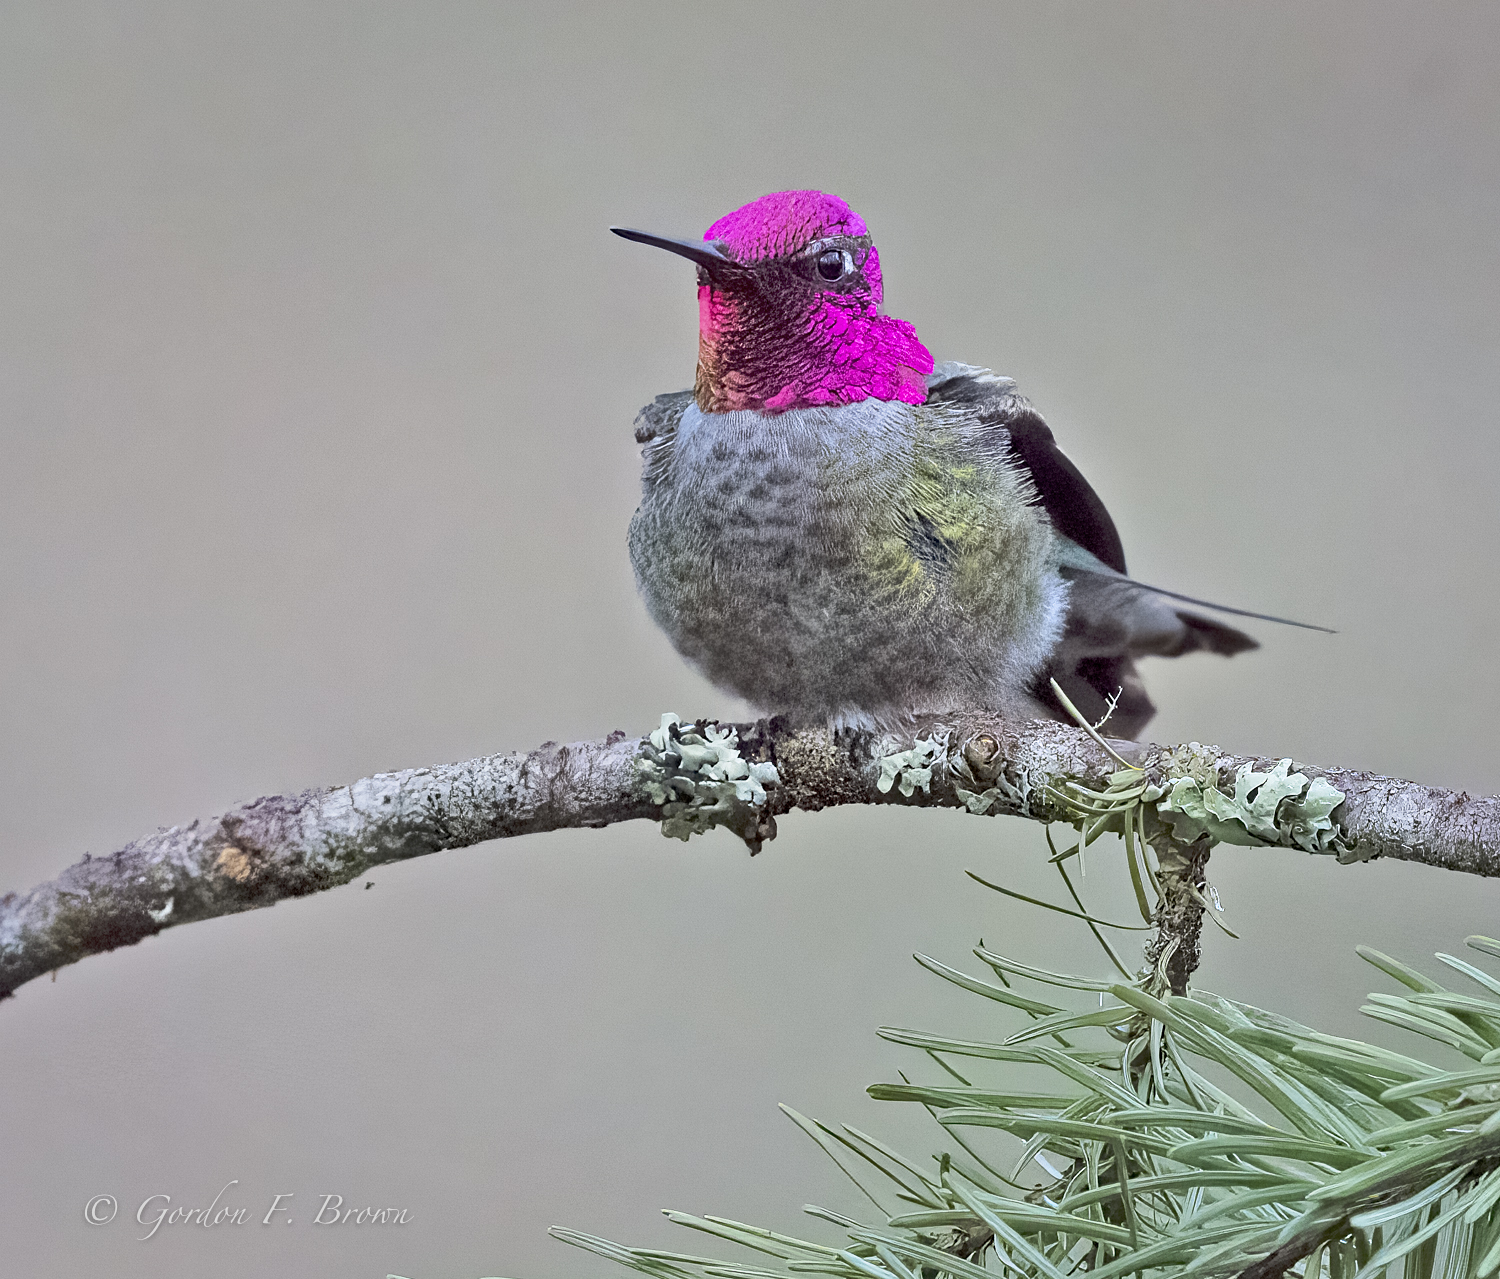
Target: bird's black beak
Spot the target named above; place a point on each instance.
(702, 252)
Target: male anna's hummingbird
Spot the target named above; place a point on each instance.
(833, 528)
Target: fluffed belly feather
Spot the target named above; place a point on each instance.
(856, 564)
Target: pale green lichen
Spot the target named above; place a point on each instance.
(980, 802)
(1279, 808)
(1199, 762)
(699, 777)
(978, 798)
(910, 770)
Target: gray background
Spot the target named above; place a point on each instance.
(318, 369)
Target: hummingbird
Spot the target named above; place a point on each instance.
(835, 528)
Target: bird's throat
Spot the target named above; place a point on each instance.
(802, 350)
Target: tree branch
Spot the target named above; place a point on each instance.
(293, 845)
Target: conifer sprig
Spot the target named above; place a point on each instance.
(1187, 1136)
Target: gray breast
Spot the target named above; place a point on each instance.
(851, 564)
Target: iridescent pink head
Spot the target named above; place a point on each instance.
(789, 310)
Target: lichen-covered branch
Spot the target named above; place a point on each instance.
(290, 846)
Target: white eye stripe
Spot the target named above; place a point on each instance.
(843, 243)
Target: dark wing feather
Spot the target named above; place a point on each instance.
(1111, 621)
(1076, 511)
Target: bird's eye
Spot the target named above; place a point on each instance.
(831, 265)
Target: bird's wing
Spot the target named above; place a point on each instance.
(1076, 511)
(1112, 620)
(656, 432)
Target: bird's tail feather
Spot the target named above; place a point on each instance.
(1222, 608)
(1079, 560)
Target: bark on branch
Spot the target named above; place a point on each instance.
(293, 845)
